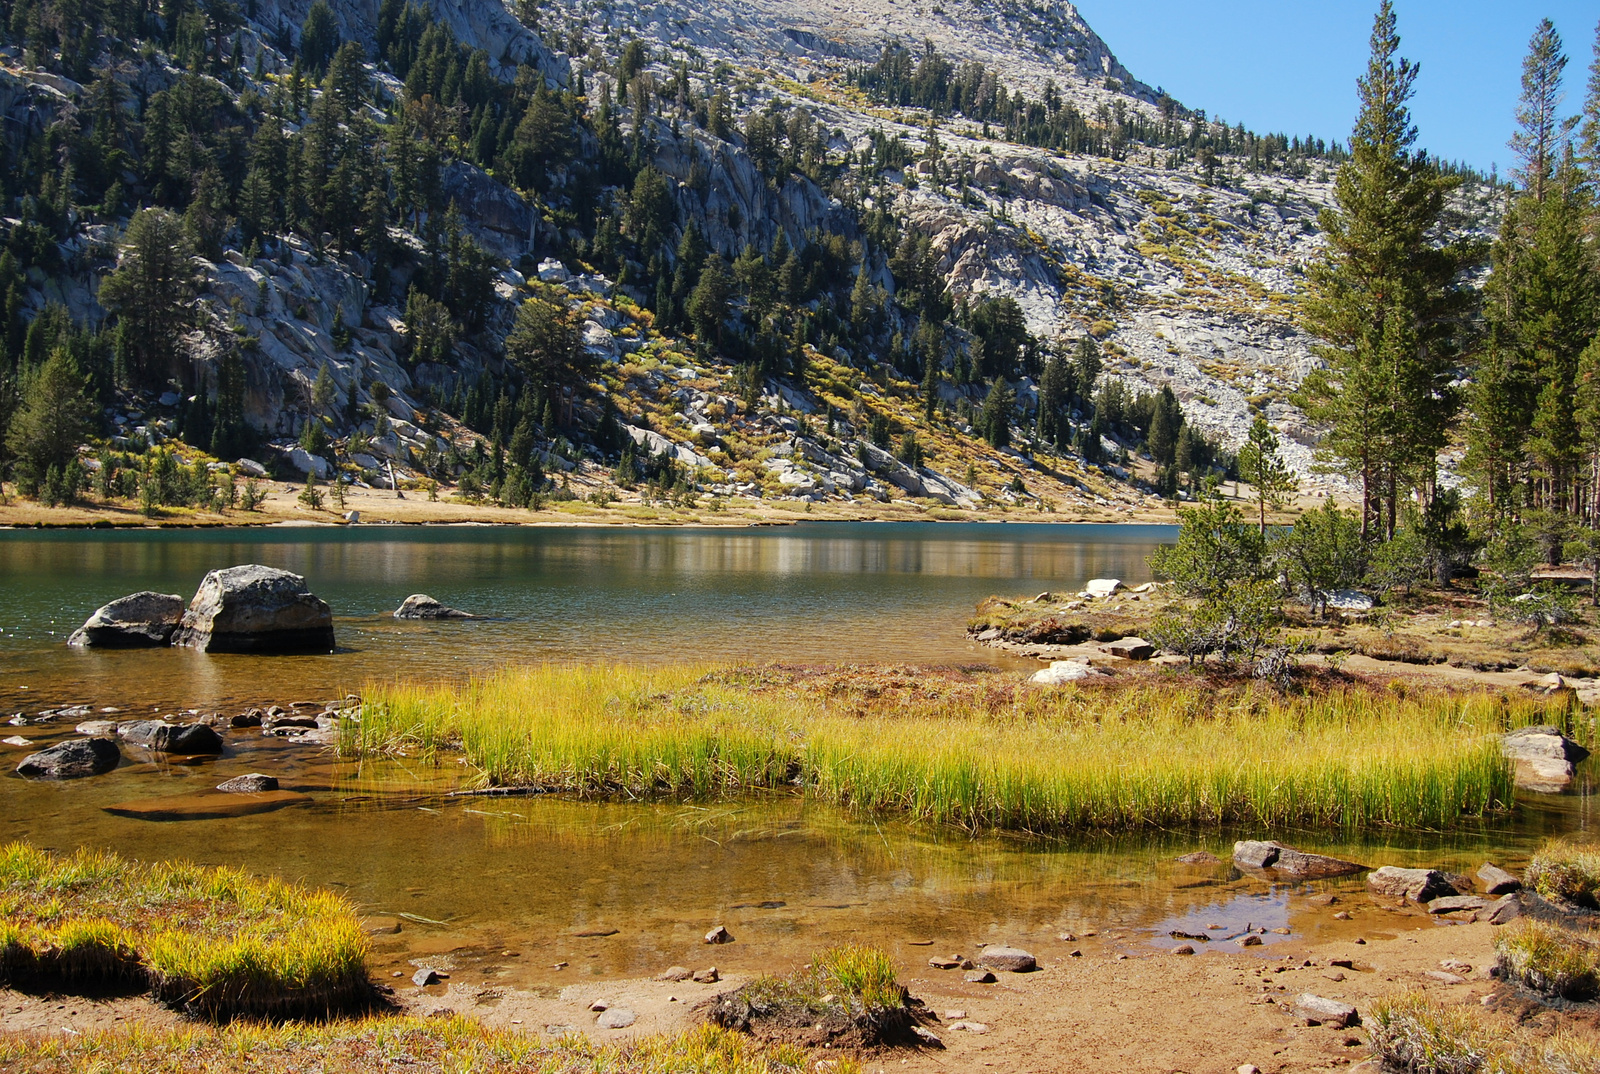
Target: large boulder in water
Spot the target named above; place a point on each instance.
(1545, 759)
(164, 737)
(422, 606)
(1290, 861)
(139, 620)
(256, 609)
(72, 759)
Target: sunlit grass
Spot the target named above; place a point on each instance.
(1549, 959)
(1421, 1035)
(1156, 754)
(1567, 871)
(217, 941)
(437, 1044)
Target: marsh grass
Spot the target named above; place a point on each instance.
(1549, 959)
(846, 995)
(1567, 871)
(437, 1044)
(1414, 1033)
(217, 942)
(980, 752)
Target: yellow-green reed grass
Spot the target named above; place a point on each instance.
(1550, 959)
(1165, 753)
(854, 984)
(861, 971)
(436, 1044)
(1421, 1035)
(1567, 871)
(216, 941)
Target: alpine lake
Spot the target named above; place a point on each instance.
(542, 892)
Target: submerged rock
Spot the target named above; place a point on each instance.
(137, 621)
(256, 609)
(72, 759)
(422, 606)
(1288, 861)
(1545, 759)
(163, 737)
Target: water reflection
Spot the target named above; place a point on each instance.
(817, 592)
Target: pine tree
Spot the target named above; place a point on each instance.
(1384, 298)
(1055, 395)
(52, 420)
(1263, 467)
(151, 288)
(1541, 132)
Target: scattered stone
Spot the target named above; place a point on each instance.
(72, 759)
(719, 935)
(255, 609)
(1445, 977)
(1342, 915)
(969, 1027)
(1417, 885)
(1350, 600)
(676, 973)
(707, 976)
(425, 977)
(979, 977)
(97, 728)
(1326, 898)
(1343, 963)
(1007, 959)
(1250, 940)
(1455, 965)
(1183, 949)
(422, 606)
(163, 737)
(1100, 588)
(1545, 759)
(1502, 911)
(247, 719)
(1247, 1068)
(616, 1018)
(945, 963)
(1450, 904)
(954, 1016)
(253, 783)
(1315, 1010)
(1129, 649)
(599, 1005)
(1200, 857)
(1281, 932)
(1288, 861)
(1061, 672)
(16, 740)
(927, 1036)
(137, 621)
(1496, 881)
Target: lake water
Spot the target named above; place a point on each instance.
(817, 592)
(607, 889)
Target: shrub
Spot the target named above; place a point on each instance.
(1548, 959)
(1565, 871)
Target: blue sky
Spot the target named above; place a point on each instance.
(1291, 65)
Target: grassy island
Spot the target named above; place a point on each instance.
(975, 750)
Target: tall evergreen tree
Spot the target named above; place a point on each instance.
(1263, 467)
(150, 291)
(1541, 131)
(1384, 298)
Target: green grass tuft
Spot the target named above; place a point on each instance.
(216, 941)
(436, 1044)
(1567, 871)
(1549, 959)
(995, 755)
(1414, 1033)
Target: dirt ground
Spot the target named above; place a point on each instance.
(1117, 1005)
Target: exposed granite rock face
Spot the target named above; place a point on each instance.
(137, 621)
(256, 609)
(1545, 759)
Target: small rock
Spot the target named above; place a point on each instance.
(1449, 904)
(1061, 672)
(719, 935)
(954, 1016)
(1075, 953)
(253, 783)
(247, 719)
(1009, 959)
(599, 1005)
(616, 1018)
(1342, 915)
(1326, 898)
(979, 977)
(1183, 949)
(1250, 940)
(1500, 912)
(1418, 885)
(1129, 649)
(1288, 861)
(707, 976)
(16, 740)
(927, 1037)
(1496, 881)
(969, 1027)
(97, 728)
(424, 977)
(1200, 857)
(422, 606)
(676, 973)
(1248, 1068)
(1315, 1010)
(951, 963)
(1100, 588)
(1445, 977)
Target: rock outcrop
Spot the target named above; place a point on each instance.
(139, 620)
(72, 759)
(256, 609)
(1545, 759)
(422, 606)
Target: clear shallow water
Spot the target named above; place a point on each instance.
(812, 592)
